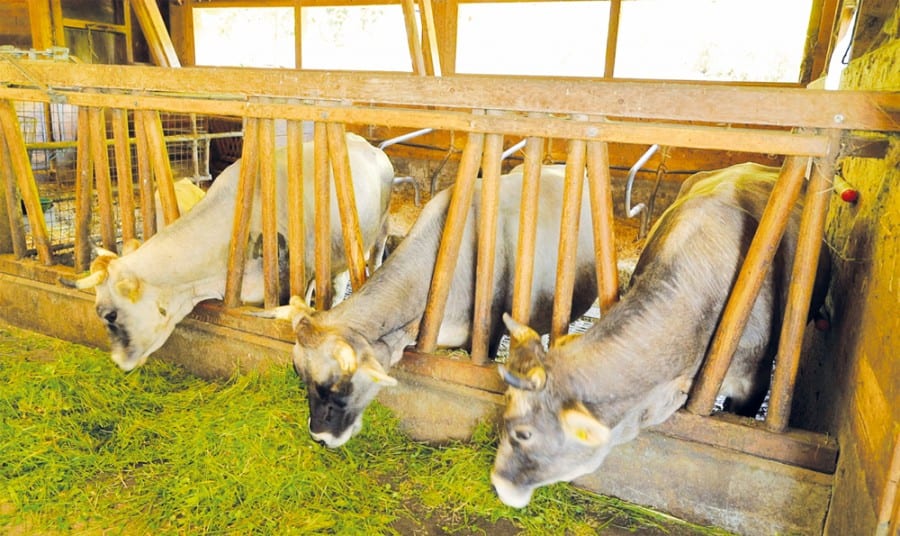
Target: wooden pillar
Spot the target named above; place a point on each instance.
(746, 288)
(528, 218)
(243, 204)
(145, 177)
(100, 159)
(15, 238)
(599, 181)
(343, 187)
(451, 240)
(152, 25)
(159, 162)
(322, 218)
(487, 244)
(296, 208)
(412, 37)
(568, 240)
(84, 173)
(265, 146)
(124, 178)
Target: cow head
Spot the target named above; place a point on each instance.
(342, 374)
(545, 436)
(138, 316)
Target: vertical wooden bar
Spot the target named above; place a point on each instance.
(487, 244)
(269, 215)
(612, 38)
(124, 178)
(429, 37)
(100, 157)
(154, 29)
(243, 205)
(13, 213)
(889, 505)
(296, 208)
(746, 288)
(600, 192)
(159, 160)
(451, 239)
(322, 216)
(343, 186)
(568, 240)
(412, 37)
(21, 166)
(145, 177)
(528, 218)
(84, 172)
(803, 277)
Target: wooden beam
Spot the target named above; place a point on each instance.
(528, 219)
(102, 179)
(343, 187)
(162, 50)
(412, 37)
(296, 208)
(243, 206)
(124, 178)
(322, 219)
(568, 239)
(600, 192)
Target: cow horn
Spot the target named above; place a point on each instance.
(533, 380)
(518, 332)
(346, 358)
(92, 280)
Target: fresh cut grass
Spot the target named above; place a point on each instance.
(87, 449)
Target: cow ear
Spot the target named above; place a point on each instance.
(129, 287)
(346, 358)
(578, 424)
(376, 373)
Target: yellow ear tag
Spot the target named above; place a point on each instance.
(582, 435)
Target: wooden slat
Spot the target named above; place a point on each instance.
(267, 180)
(159, 162)
(666, 101)
(145, 177)
(451, 240)
(296, 208)
(612, 38)
(429, 37)
(600, 192)
(84, 172)
(568, 240)
(487, 245)
(803, 276)
(412, 37)
(528, 219)
(746, 288)
(16, 226)
(322, 219)
(343, 185)
(21, 166)
(243, 205)
(102, 180)
(154, 29)
(124, 178)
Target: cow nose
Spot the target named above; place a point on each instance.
(320, 442)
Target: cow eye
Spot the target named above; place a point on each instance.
(110, 317)
(522, 434)
(162, 311)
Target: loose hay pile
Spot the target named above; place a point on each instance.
(85, 449)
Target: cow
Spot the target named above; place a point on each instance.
(142, 295)
(568, 406)
(343, 354)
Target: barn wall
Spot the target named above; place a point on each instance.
(15, 27)
(858, 378)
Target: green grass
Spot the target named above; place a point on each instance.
(86, 449)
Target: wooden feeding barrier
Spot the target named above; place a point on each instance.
(808, 127)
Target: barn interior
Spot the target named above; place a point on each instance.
(92, 92)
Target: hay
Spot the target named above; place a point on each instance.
(87, 449)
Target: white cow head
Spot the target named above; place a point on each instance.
(546, 436)
(139, 316)
(341, 371)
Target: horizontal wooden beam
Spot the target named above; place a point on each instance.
(664, 101)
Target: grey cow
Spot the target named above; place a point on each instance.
(343, 354)
(569, 406)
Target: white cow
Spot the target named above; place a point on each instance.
(143, 294)
(343, 354)
(569, 406)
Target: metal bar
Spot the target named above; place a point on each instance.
(600, 192)
(568, 240)
(16, 226)
(102, 180)
(343, 186)
(803, 277)
(528, 219)
(145, 177)
(451, 240)
(243, 206)
(162, 170)
(404, 137)
(25, 176)
(322, 219)
(487, 245)
(84, 172)
(265, 146)
(746, 288)
(123, 173)
(296, 208)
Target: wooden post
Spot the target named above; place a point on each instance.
(84, 173)
(21, 166)
(746, 288)
(568, 240)
(243, 205)
(429, 37)
(803, 278)
(412, 37)
(451, 239)
(124, 178)
(322, 216)
(343, 187)
(159, 160)
(100, 157)
(269, 212)
(296, 208)
(600, 192)
(612, 38)
(13, 212)
(154, 29)
(528, 218)
(487, 244)
(145, 177)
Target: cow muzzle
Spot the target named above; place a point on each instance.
(510, 494)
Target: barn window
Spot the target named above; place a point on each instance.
(364, 38)
(244, 37)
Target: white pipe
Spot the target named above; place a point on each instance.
(640, 207)
(506, 154)
(404, 137)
